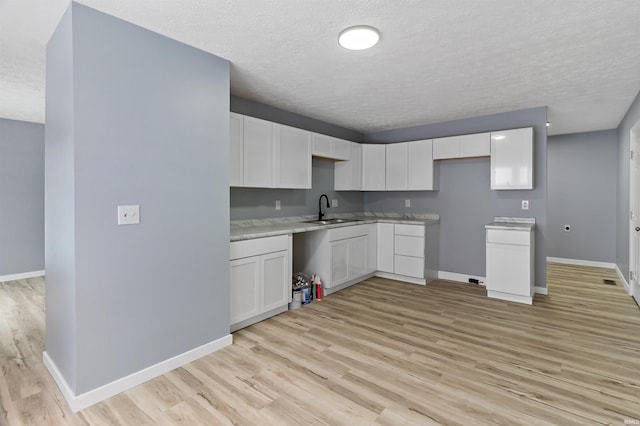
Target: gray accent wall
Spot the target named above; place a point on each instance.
(21, 197)
(622, 229)
(465, 201)
(133, 118)
(582, 172)
(259, 203)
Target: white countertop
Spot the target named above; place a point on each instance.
(260, 228)
(512, 223)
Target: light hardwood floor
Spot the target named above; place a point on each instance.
(380, 352)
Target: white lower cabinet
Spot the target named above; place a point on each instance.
(260, 279)
(401, 252)
(340, 256)
(510, 265)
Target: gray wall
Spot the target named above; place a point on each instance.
(259, 203)
(622, 234)
(582, 172)
(21, 197)
(465, 201)
(149, 126)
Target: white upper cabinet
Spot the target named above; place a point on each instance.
(292, 157)
(373, 167)
(329, 147)
(236, 156)
(258, 153)
(348, 174)
(396, 166)
(409, 166)
(512, 159)
(422, 173)
(474, 145)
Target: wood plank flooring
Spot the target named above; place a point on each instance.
(381, 352)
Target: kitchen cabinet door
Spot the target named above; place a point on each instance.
(245, 289)
(373, 167)
(475, 145)
(339, 262)
(509, 264)
(512, 159)
(258, 153)
(276, 290)
(444, 148)
(385, 247)
(396, 166)
(292, 157)
(322, 145)
(348, 174)
(421, 171)
(357, 257)
(341, 149)
(236, 155)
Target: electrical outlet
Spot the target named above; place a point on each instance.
(334, 202)
(567, 228)
(525, 204)
(128, 215)
(278, 205)
(407, 203)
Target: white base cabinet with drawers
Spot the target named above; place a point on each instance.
(402, 253)
(510, 265)
(340, 256)
(260, 279)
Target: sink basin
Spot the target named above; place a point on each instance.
(330, 221)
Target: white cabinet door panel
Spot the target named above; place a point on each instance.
(236, 154)
(408, 266)
(475, 145)
(339, 262)
(396, 166)
(508, 269)
(274, 280)
(348, 174)
(373, 167)
(245, 289)
(292, 157)
(258, 153)
(341, 149)
(385, 247)
(357, 257)
(409, 246)
(512, 159)
(420, 175)
(444, 148)
(321, 145)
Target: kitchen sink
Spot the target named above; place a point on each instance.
(330, 221)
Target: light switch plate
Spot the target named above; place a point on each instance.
(129, 215)
(407, 203)
(334, 202)
(525, 204)
(278, 205)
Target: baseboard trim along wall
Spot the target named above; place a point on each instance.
(22, 276)
(79, 402)
(581, 262)
(624, 280)
(463, 278)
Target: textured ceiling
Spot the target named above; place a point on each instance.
(437, 60)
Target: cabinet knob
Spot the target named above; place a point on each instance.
(637, 228)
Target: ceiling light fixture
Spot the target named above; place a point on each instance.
(359, 37)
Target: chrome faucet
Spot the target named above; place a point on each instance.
(320, 214)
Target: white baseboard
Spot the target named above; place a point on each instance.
(22, 276)
(463, 278)
(403, 278)
(528, 300)
(623, 279)
(581, 262)
(541, 290)
(79, 402)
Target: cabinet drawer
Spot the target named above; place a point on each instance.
(347, 232)
(410, 230)
(408, 266)
(258, 246)
(409, 246)
(519, 238)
